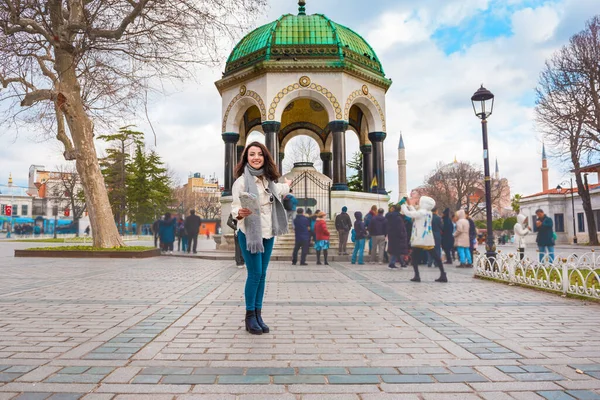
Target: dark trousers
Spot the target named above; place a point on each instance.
(300, 245)
(167, 246)
(192, 243)
(417, 253)
(156, 240)
(448, 252)
(342, 247)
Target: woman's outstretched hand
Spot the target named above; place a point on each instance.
(288, 182)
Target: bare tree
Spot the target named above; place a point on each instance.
(568, 108)
(461, 185)
(302, 149)
(208, 205)
(68, 190)
(70, 63)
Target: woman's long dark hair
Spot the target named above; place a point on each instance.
(269, 166)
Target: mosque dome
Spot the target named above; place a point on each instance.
(304, 41)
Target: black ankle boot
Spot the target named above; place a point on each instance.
(260, 321)
(318, 257)
(417, 277)
(442, 278)
(251, 323)
(325, 256)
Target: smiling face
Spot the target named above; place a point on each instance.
(256, 158)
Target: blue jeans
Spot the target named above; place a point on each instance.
(256, 265)
(359, 249)
(464, 255)
(543, 249)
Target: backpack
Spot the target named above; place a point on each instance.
(353, 235)
(287, 202)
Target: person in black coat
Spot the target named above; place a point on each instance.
(397, 237)
(436, 228)
(302, 237)
(472, 235)
(447, 235)
(192, 227)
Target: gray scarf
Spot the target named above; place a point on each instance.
(253, 228)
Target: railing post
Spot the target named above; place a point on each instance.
(565, 278)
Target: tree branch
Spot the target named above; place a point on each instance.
(34, 97)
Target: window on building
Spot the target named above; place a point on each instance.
(559, 222)
(15, 209)
(580, 222)
(24, 209)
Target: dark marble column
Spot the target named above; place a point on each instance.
(326, 158)
(367, 167)
(230, 139)
(281, 157)
(338, 130)
(239, 152)
(377, 139)
(271, 130)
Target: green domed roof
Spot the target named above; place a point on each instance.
(303, 38)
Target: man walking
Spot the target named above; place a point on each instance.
(192, 227)
(372, 212)
(302, 236)
(343, 225)
(545, 236)
(377, 232)
(155, 230)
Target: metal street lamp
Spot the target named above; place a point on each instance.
(559, 187)
(483, 108)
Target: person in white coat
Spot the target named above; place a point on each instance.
(421, 239)
(521, 230)
(260, 219)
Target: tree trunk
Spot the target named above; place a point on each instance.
(81, 128)
(584, 195)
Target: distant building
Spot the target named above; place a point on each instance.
(16, 197)
(564, 205)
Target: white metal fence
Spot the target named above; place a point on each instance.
(573, 274)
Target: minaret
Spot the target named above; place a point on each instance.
(544, 169)
(10, 181)
(402, 190)
(497, 175)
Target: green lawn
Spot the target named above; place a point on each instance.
(575, 279)
(57, 240)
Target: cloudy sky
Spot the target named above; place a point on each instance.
(437, 52)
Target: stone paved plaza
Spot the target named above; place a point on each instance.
(171, 328)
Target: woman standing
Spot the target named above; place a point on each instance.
(461, 238)
(397, 238)
(322, 237)
(181, 236)
(263, 218)
(360, 232)
(166, 231)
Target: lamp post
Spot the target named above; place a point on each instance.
(483, 108)
(559, 187)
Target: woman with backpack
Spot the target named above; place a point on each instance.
(359, 234)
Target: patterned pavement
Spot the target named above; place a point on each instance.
(171, 328)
